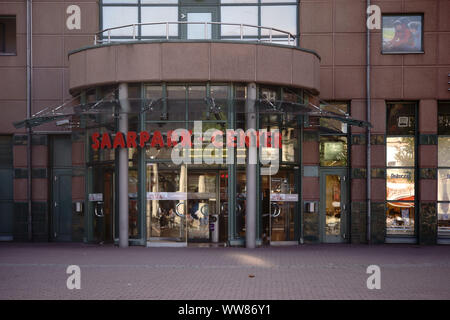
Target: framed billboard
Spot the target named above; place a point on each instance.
(402, 33)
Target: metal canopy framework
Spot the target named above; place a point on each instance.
(69, 114)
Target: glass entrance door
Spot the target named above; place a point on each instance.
(185, 205)
(333, 205)
(200, 30)
(166, 203)
(279, 207)
(102, 201)
(202, 206)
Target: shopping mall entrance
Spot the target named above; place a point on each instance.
(333, 205)
(279, 208)
(186, 205)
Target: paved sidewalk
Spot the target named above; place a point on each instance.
(38, 271)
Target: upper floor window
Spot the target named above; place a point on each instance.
(7, 35)
(443, 169)
(274, 14)
(333, 146)
(402, 33)
(400, 169)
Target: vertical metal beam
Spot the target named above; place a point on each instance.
(123, 167)
(368, 155)
(250, 206)
(29, 105)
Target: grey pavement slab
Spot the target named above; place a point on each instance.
(38, 271)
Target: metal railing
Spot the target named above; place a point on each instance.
(101, 37)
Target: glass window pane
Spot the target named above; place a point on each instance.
(289, 145)
(119, 16)
(400, 218)
(269, 94)
(197, 31)
(444, 185)
(333, 208)
(198, 107)
(120, 1)
(329, 125)
(219, 106)
(239, 1)
(400, 184)
(160, 1)
(444, 219)
(279, 17)
(333, 151)
(444, 151)
(241, 14)
(284, 40)
(401, 118)
(276, 1)
(164, 130)
(159, 14)
(400, 151)
(153, 92)
(176, 103)
(444, 118)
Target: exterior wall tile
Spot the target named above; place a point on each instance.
(316, 16)
(428, 223)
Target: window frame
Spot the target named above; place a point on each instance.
(414, 167)
(208, 3)
(422, 42)
(439, 135)
(3, 30)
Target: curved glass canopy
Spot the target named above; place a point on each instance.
(106, 110)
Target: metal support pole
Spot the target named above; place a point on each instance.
(29, 105)
(123, 167)
(368, 155)
(250, 206)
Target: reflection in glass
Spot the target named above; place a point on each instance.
(328, 125)
(333, 151)
(201, 205)
(443, 210)
(333, 205)
(218, 107)
(289, 145)
(240, 203)
(166, 129)
(119, 16)
(197, 31)
(400, 151)
(166, 201)
(444, 151)
(281, 213)
(400, 184)
(400, 218)
(279, 17)
(159, 14)
(239, 1)
(160, 1)
(121, 1)
(444, 185)
(133, 216)
(197, 107)
(241, 14)
(176, 103)
(401, 118)
(444, 118)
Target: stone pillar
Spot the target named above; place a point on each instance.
(122, 165)
(251, 171)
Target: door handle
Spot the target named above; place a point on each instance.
(276, 211)
(176, 209)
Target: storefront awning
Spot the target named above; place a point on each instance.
(209, 108)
